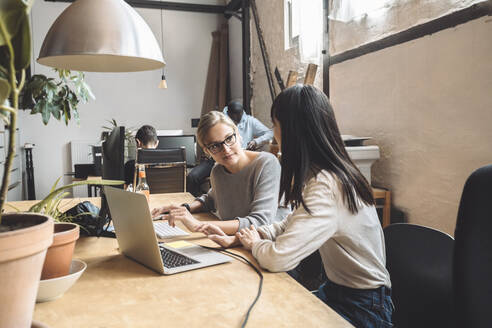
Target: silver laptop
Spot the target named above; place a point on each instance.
(137, 239)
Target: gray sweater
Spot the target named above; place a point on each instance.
(250, 195)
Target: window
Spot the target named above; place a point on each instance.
(291, 23)
(348, 10)
(303, 28)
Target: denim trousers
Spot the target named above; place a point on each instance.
(368, 308)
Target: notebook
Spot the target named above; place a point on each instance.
(137, 238)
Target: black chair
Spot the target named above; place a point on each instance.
(473, 252)
(420, 261)
(165, 169)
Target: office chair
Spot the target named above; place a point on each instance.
(473, 252)
(165, 169)
(420, 260)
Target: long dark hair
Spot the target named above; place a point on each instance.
(311, 142)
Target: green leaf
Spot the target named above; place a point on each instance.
(48, 96)
(51, 90)
(4, 90)
(45, 111)
(52, 195)
(66, 111)
(21, 43)
(56, 111)
(89, 91)
(53, 187)
(11, 13)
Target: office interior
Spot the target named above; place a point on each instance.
(425, 102)
(414, 76)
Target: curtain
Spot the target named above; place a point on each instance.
(215, 95)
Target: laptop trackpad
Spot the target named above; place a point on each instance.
(203, 254)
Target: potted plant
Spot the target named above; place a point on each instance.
(24, 237)
(56, 97)
(66, 233)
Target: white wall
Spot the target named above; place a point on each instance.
(132, 99)
(427, 105)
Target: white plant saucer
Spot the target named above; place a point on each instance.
(51, 289)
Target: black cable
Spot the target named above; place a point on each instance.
(260, 286)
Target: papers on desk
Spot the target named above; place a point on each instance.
(179, 244)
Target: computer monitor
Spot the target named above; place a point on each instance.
(187, 141)
(113, 155)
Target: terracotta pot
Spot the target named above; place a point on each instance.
(59, 255)
(22, 253)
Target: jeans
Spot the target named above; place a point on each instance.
(371, 308)
(197, 176)
(310, 272)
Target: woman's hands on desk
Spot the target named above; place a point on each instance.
(175, 213)
(217, 235)
(248, 237)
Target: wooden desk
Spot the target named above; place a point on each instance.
(115, 291)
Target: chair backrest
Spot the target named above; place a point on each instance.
(165, 169)
(420, 260)
(473, 252)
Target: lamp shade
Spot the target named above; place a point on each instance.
(101, 36)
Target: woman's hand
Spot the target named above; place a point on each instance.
(248, 237)
(179, 213)
(161, 210)
(216, 234)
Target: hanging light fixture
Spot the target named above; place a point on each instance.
(163, 83)
(101, 36)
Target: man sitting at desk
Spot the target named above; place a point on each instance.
(146, 138)
(254, 135)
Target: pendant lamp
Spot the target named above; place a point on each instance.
(101, 36)
(163, 83)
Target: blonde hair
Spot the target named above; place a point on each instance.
(210, 120)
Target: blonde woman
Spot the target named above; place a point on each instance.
(245, 184)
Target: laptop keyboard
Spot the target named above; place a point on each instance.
(164, 230)
(173, 260)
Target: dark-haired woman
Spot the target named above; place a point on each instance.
(334, 212)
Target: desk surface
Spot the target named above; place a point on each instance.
(115, 291)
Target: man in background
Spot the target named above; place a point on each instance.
(254, 135)
(146, 138)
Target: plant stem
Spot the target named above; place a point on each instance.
(13, 120)
(7, 108)
(23, 79)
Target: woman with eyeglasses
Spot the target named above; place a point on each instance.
(244, 183)
(333, 212)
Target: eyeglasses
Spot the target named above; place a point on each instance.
(216, 147)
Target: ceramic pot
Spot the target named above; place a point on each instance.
(59, 255)
(22, 253)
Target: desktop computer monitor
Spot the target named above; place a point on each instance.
(113, 155)
(187, 141)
